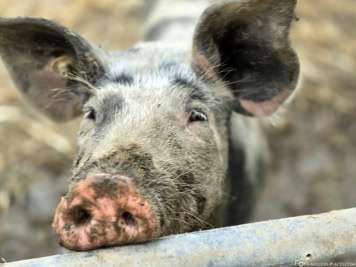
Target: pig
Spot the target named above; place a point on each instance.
(170, 140)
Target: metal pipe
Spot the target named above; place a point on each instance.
(286, 242)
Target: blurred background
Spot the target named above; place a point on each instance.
(313, 146)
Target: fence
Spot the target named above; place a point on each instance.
(298, 241)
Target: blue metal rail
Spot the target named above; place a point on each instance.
(296, 241)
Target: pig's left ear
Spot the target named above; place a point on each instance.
(245, 45)
(42, 58)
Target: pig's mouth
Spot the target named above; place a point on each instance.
(101, 211)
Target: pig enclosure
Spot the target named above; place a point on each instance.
(313, 146)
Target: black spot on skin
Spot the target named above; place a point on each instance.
(161, 221)
(124, 79)
(201, 201)
(105, 187)
(196, 92)
(79, 156)
(111, 104)
(189, 183)
(67, 227)
(187, 180)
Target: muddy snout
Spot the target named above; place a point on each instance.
(103, 210)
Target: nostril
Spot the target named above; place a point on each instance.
(79, 215)
(128, 218)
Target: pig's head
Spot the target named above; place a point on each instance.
(153, 144)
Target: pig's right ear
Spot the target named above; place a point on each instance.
(244, 46)
(42, 58)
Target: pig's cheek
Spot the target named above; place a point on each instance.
(194, 133)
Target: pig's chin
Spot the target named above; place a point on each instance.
(101, 211)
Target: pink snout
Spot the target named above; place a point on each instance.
(101, 211)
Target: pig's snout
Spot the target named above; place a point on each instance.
(104, 210)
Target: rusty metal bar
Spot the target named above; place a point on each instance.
(285, 242)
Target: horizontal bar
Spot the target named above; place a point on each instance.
(284, 242)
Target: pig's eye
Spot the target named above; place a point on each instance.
(197, 115)
(90, 114)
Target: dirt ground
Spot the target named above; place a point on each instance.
(313, 146)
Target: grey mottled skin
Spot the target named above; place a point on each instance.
(174, 118)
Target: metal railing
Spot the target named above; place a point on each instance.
(310, 240)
